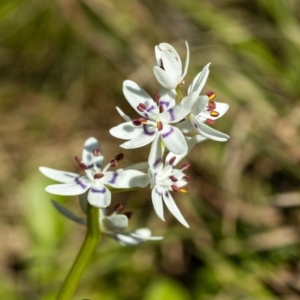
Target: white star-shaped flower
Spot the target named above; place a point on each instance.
(169, 72)
(204, 110)
(164, 178)
(157, 115)
(96, 177)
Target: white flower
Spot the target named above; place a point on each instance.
(96, 177)
(169, 72)
(114, 225)
(156, 116)
(204, 110)
(165, 178)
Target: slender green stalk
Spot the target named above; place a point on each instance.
(178, 92)
(89, 245)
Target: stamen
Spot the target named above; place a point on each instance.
(139, 121)
(81, 164)
(211, 105)
(161, 64)
(211, 95)
(156, 97)
(98, 175)
(173, 178)
(141, 107)
(113, 163)
(214, 113)
(161, 109)
(210, 121)
(171, 161)
(119, 208)
(185, 166)
(186, 178)
(128, 214)
(96, 152)
(175, 188)
(183, 189)
(159, 126)
(119, 157)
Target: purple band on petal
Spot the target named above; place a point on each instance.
(157, 162)
(93, 190)
(82, 185)
(171, 112)
(154, 178)
(168, 133)
(150, 108)
(146, 131)
(114, 177)
(157, 192)
(164, 103)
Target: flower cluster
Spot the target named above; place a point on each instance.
(163, 121)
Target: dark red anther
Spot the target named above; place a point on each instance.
(113, 163)
(128, 214)
(175, 188)
(186, 178)
(119, 157)
(118, 208)
(161, 109)
(159, 126)
(139, 121)
(171, 161)
(210, 121)
(161, 64)
(185, 166)
(81, 164)
(141, 107)
(211, 105)
(96, 152)
(98, 175)
(156, 98)
(173, 178)
(211, 95)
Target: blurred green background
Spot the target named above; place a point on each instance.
(62, 66)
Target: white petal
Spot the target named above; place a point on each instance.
(126, 131)
(170, 203)
(142, 166)
(156, 153)
(167, 98)
(114, 223)
(179, 111)
(127, 179)
(200, 105)
(65, 212)
(165, 47)
(99, 196)
(185, 126)
(87, 153)
(148, 135)
(126, 239)
(145, 234)
(171, 64)
(199, 81)
(60, 176)
(68, 189)
(209, 132)
(186, 61)
(221, 108)
(173, 139)
(166, 80)
(122, 114)
(136, 95)
(156, 196)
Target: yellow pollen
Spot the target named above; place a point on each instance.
(182, 190)
(211, 96)
(159, 125)
(214, 113)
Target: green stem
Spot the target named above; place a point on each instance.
(89, 245)
(178, 92)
